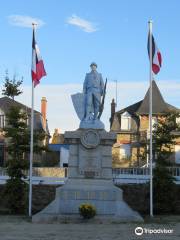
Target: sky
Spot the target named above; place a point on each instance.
(73, 33)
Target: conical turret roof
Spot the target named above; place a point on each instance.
(159, 106)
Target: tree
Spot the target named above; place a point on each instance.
(164, 138)
(163, 183)
(17, 134)
(11, 87)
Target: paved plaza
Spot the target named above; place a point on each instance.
(20, 228)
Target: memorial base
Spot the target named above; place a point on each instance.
(103, 195)
(89, 181)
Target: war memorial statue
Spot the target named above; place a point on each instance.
(89, 164)
(89, 104)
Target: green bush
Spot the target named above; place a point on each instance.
(87, 210)
(164, 190)
(16, 196)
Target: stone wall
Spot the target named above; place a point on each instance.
(42, 196)
(49, 172)
(136, 195)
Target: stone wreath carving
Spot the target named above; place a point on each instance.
(90, 139)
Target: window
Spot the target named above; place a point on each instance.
(154, 121)
(177, 154)
(2, 121)
(22, 111)
(125, 121)
(178, 120)
(125, 151)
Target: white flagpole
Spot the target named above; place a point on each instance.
(150, 119)
(31, 148)
(31, 153)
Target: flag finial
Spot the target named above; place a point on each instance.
(34, 24)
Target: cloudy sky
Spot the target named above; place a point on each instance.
(71, 34)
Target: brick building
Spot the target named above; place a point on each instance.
(132, 127)
(40, 122)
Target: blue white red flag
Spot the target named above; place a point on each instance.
(37, 70)
(156, 56)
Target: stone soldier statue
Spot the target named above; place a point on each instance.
(93, 89)
(90, 103)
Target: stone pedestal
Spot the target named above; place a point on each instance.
(89, 181)
(94, 124)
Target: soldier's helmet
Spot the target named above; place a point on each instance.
(93, 64)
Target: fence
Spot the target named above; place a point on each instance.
(120, 175)
(139, 175)
(130, 175)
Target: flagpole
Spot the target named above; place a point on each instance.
(150, 119)
(31, 147)
(31, 153)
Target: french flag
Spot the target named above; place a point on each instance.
(156, 55)
(37, 70)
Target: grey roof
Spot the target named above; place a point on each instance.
(158, 104)
(131, 109)
(172, 108)
(6, 103)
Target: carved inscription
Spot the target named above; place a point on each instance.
(89, 174)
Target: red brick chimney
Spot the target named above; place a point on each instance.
(43, 110)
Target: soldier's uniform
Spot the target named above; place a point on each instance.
(93, 89)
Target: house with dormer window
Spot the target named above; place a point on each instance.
(132, 127)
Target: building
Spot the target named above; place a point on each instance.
(132, 127)
(40, 122)
(59, 148)
(57, 138)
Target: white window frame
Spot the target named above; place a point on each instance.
(2, 124)
(126, 117)
(178, 120)
(124, 151)
(154, 121)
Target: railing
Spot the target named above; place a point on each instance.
(130, 175)
(139, 175)
(131, 171)
(120, 175)
(140, 137)
(3, 172)
(175, 171)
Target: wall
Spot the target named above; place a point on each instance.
(136, 195)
